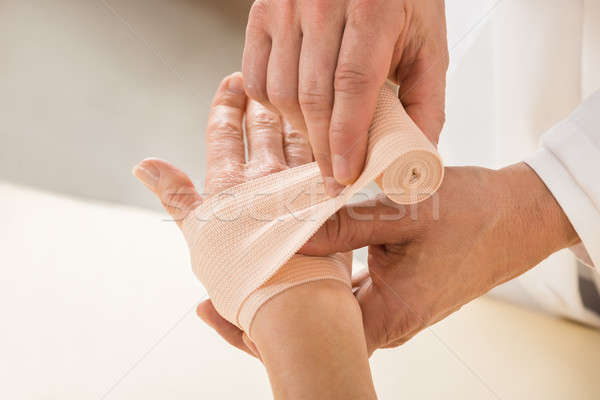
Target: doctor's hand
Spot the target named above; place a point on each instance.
(321, 63)
(481, 229)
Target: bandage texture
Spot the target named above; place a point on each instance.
(243, 241)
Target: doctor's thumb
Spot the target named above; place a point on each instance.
(354, 226)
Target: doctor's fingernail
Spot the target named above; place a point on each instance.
(148, 174)
(341, 169)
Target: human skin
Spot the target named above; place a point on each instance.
(296, 333)
(483, 228)
(321, 63)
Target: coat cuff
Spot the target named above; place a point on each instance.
(569, 164)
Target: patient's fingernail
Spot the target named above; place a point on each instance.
(148, 174)
(341, 169)
(236, 84)
(332, 187)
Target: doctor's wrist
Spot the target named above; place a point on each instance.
(533, 212)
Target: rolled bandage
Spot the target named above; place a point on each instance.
(243, 241)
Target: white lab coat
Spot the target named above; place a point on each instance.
(524, 84)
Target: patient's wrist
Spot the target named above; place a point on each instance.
(311, 340)
(299, 270)
(305, 307)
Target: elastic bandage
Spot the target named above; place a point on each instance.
(243, 241)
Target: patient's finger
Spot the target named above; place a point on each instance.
(231, 333)
(225, 153)
(296, 148)
(264, 134)
(173, 187)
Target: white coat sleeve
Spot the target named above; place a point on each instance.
(569, 164)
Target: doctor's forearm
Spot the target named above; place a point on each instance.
(535, 217)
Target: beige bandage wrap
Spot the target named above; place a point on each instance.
(243, 241)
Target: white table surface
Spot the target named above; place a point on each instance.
(97, 302)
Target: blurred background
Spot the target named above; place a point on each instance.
(90, 88)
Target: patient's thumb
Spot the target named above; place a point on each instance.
(172, 186)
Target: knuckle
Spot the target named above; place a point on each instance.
(263, 119)
(255, 90)
(227, 99)
(258, 12)
(282, 17)
(283, 98)
(224, 127)
(295, 138)
(286, 6)
(321, 11)
(297, 154)
(351, 79)
(363, 12)
(315, 100)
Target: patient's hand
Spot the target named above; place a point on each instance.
(298, 329)
(273, 145)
